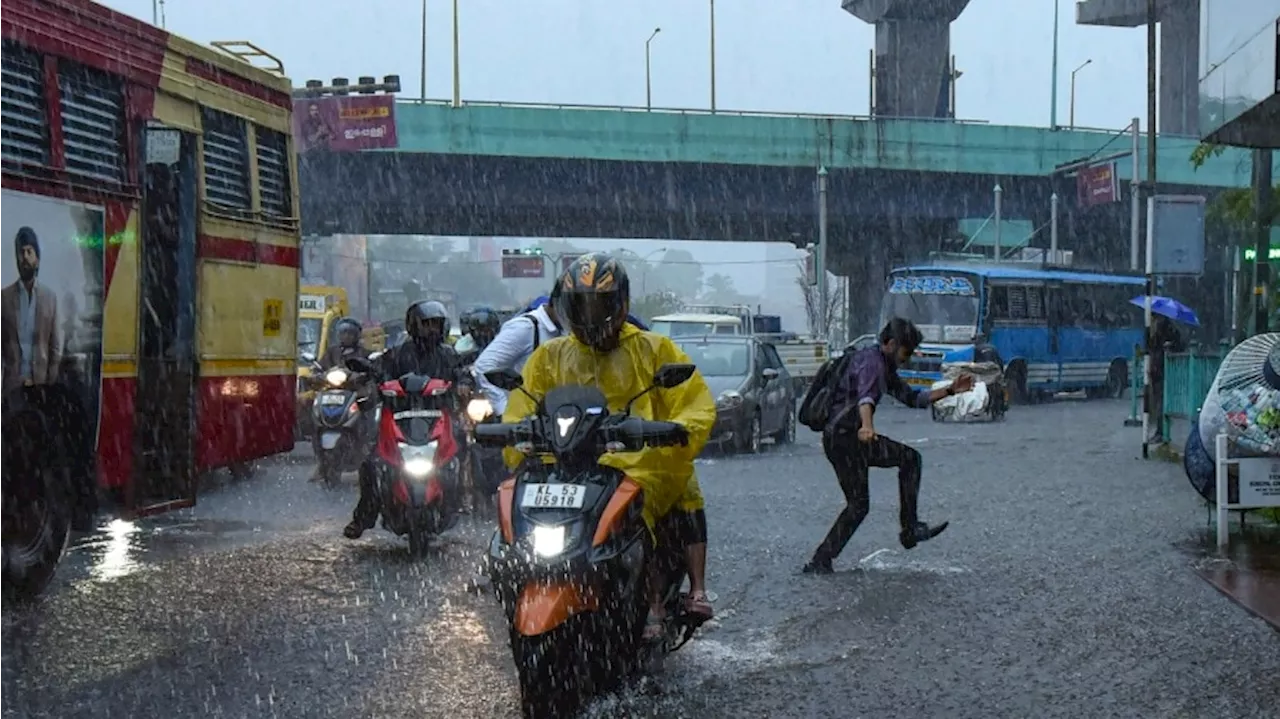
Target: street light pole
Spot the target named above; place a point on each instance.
(713, 55)
(644, 271)
(1071, 111)
(1053, 98)
(422, 85)
(1053, 228)
(648, 84)
(457, 77)
(999, 193)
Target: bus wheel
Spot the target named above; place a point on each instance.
(1016, 376)
(1117, 379)
(37, 526)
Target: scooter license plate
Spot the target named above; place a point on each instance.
(332, 398)
(329, 440)
(553, 496)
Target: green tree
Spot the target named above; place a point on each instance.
(655, 304)
(679, 273)
(720, 290)
(1233, 206)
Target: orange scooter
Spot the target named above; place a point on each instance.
(570, 560)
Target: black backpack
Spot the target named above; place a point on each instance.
(816, 407)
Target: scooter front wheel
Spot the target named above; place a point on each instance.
(547, 671)
(417, 541)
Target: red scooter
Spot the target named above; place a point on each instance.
(417, 470)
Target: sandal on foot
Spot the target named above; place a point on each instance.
(653, 628)
(696, 603)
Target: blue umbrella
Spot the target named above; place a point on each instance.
(1170, 308)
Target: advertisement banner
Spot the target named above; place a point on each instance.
(1097, 185)
(345, 124)
(51, 295)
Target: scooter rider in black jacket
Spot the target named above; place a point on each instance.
(481, 324)
(427, 325)
(348, 331)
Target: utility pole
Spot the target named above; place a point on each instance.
(820, 260)
(1147, 419)
(999, 197)
(1135, 196)
(1262, 212)
(1053, 228)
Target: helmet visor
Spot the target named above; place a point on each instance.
(595, 318)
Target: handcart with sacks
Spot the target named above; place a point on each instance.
(987, 401)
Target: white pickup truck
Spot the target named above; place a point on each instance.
(802, 356)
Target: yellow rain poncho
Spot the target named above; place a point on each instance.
(664, 473)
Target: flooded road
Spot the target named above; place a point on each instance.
(1062, 588)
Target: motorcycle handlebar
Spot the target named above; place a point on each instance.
(632, 432)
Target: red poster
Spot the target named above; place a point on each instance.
(345, 124)
(1097, 185)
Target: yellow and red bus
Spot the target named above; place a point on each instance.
(150, 258)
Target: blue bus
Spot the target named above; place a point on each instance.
(1052, 330)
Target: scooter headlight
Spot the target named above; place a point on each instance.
(549, 541)
(479, 409)
(419, 460)
(336, 377)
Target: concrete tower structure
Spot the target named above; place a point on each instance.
(1179, 70)
(913, 75)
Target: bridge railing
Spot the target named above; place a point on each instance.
(744, 113)
(685, 111)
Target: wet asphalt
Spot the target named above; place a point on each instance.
(1062, 589)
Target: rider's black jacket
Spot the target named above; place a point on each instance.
(337, 355)
(441, 362)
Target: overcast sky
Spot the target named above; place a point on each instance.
(789, 55)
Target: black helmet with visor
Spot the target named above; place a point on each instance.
(592, 299)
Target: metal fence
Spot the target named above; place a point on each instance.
(1187, 378)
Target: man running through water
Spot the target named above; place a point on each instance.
(853, 446)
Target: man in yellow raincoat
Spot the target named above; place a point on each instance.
(592, 298)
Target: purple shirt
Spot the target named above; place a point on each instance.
(869, 377)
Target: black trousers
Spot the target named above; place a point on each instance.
(852, 461)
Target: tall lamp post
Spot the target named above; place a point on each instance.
(1071, 107)
(644, 271)
(648, 77)
(457, 77)
(713, 55)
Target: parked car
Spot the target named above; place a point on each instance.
(755, 396)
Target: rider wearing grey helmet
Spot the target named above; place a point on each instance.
(423, 352)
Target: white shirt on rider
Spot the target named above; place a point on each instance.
(511, 349)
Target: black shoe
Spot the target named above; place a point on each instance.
(354, 530)
(920, 533)
(818, 567)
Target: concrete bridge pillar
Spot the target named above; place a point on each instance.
(913, 54)
(1179, 70)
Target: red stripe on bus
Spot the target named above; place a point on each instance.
(212, 73)
(237, 250)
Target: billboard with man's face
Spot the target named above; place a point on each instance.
(51, 294)
(345, 124)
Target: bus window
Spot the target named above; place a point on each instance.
(1035, 303)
